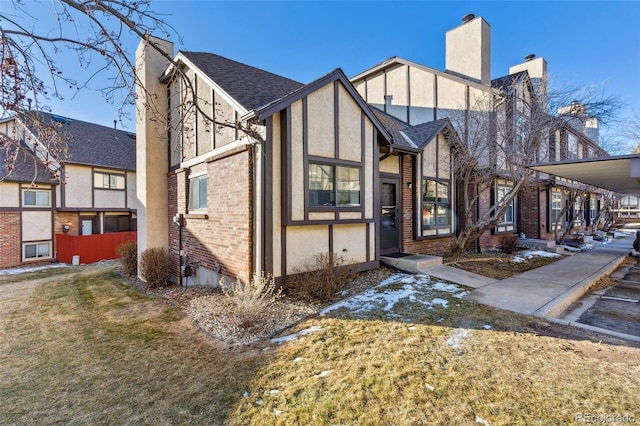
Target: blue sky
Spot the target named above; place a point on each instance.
(584, 42)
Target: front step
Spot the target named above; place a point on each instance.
(411, 262)
(546, 245)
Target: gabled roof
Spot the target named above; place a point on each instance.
(91, 144)
(335, 75)
(395, 60)
(415, 137)
(25, 169)
(506, 83)
(251, 87)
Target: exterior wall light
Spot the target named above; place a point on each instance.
(66, 227)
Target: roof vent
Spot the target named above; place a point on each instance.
(468, 17)
(529, 57)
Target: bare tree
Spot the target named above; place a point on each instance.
(101, 35)
(502, 132)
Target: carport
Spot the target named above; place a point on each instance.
(620, 174)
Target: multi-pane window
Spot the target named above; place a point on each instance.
(436, 203)
(556, 205)
(577, 211)
(108, 180)
(331, 185)
(198, 193)
(35, 198)
(501, 194)
(37, 250)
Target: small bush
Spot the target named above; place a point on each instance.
(128, 252)
(250, 300)
(154, 266)
(509, 244)
(322, 277)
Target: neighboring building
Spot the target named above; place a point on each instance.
(94, 192)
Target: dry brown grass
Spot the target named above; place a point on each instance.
(91, 350)
(497, 265)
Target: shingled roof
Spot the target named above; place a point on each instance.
(251, 87)
(25, 169)
(417, 136)
(506, 83)
(92, 144)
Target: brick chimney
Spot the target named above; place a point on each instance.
(468, 50)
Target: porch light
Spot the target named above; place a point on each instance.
(66, 227)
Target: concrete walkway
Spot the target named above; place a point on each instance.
(546, 291)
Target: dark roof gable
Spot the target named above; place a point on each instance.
(92, 144)
(412, 137)
(251, 87)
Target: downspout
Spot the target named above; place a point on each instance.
(388, 154)
(256, 201)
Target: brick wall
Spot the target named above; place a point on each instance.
(223, 239)
(431, 245)
(530, 218)
(63, 218)
(10, 248)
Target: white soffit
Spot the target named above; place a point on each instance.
(619, 174)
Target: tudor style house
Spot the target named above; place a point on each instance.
(93, 192)
(362, 167)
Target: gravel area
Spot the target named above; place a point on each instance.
(212, 311)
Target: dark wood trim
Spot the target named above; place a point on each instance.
(213, 115)
(305, 157)
(384, 90)
(63, 189)
(285, 180)
(195, 216)
(330, 228)
(92, 209)
(435, 97)
(196, 114)
(267, 212)
(376, 197)
(363, 181)
(93, 186)
(336, 119)
(333, 161)
(368, 240)
(335, 209)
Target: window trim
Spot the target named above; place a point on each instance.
(36, 244)
(199, 208)
(436, 203)
(335, 165)
(37, 191)
(512, 207)
(111, 175)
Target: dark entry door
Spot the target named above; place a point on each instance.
(390, 217)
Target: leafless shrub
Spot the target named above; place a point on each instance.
(155, 267)
(509, 244)
(250, 300)
(322, 277)
(128, 252)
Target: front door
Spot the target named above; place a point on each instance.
(390, 217)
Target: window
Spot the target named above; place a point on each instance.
(331, 185)
(556, 208)
(501, 194)
(572, 147)
(117, 224)
(198, 193)
(108, 181)
(436, 204)
(37, 198)
(577, 211)
(37, 250)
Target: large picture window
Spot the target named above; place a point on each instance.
(436, 203)
(36, 198)
(332, 185)
(198, 193)
(108, 181)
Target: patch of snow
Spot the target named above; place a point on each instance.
(268, 348)
(457, 337)
(25, 269)
(617, 234)
(538, 253)
(259, 401)
(486, 327)
(482, 421)
(291, 337)
(323, 373)
(245, 394)
(569, 248)
(518, 259)
(587, 247)
(299, 359)
(274, 391)
(411, 328)
(277, 412)
(429, 387)
(415, 289)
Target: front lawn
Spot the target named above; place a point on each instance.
(89, 349)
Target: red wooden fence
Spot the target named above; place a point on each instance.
(91, 248)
